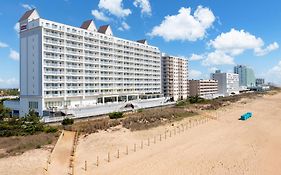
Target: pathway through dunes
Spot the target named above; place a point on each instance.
(60, 157)
(223, 146)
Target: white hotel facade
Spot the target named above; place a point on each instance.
(63, 67)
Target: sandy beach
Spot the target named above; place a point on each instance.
(219, 146)
(223, 146)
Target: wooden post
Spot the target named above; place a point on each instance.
(127, 151)
(85, 165)
(97, 160)
(108, 157)
(72, 170)
(135, 148)
(118, 155)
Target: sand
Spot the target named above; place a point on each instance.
(29, 163)
(222, 146)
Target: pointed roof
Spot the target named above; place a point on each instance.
(106, 29)
(103, 29)
(89, 25)
(29, 14)
(143, 41)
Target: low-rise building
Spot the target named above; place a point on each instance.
(174, 77)
(260, 81)
(228, 83)
(203, 88)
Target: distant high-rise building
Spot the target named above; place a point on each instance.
(228, 83)
(260, 81)
(246, 75)
(175, 77)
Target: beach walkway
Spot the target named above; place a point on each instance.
(60, 158)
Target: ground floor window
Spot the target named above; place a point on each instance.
(50, 104)
(33, 105)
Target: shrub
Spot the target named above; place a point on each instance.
(67, 121)
(196, 99)
(115, 115)
(181, 103)
(140, 110)
(50, 129)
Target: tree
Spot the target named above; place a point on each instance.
(4, 112)
(32, 117)
(67, 121)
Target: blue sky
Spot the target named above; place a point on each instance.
(212, 34)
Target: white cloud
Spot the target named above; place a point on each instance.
(194, 74)
(267, 50)
(100, 15)
(17, 27)
(9, 83)
(144, 5)
(14, 55)
(212, 69)
(184, 26)
(195, 57)
(218, 58)
(114, 7)
(124, 26)
(27, 6)
(235, 42)
(274, 74)
(3, 45)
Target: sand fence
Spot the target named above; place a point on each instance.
(150, 141)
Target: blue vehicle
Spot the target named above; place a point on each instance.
(246, 116)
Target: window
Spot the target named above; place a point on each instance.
(33, 105)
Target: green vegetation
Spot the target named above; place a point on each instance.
(4, 112)
(196, 99)
(9, 92)
(67, 121)
(28, 125)
(191, 100)
(140, 110)
(116, 115)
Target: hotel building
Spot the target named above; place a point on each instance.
(228, 83)
(175, 77)
(203, 88)
(63, 67)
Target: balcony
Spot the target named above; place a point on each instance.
(53, 65)
(54, 72)
(54, 50)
